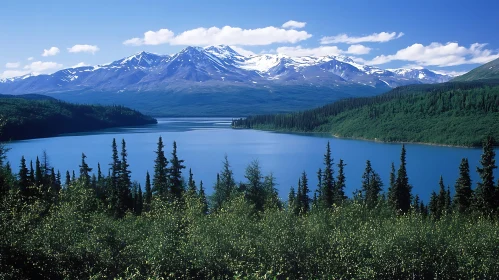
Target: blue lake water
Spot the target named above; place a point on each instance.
(203, 142)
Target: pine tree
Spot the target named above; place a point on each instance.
(402, 190)
(442, 198)
(416, 204)
(139, 204)
(485, 191)
(339, 191)
(433, 205)
(38, 174)
(270, 192)
(125, 199)
(371, 186)
(304, 199)
(85, 171)
(328, 184)
(68, 179)
(291, 199)
(160, 177)
(202, 198)
(391, 189)
(148, 195)
(225, 187)
(23, 177)
(464, 193)
(31, 174)
(115, 170)
(176, 186)
(191, 185)
(254, 192)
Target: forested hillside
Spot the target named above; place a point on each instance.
(487, 71)
(98, 226)
(34, 117)
(456, 113)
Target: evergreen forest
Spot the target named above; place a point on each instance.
(96, 223)
(454, 113)
(35, 116)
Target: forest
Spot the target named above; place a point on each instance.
(35, 116)
(95, 223)
(454, 113)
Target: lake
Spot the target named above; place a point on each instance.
(203, 142)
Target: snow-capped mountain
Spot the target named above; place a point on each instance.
(216, 66)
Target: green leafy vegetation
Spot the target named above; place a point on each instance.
(35, 117)
(94, 226)
(456, 113)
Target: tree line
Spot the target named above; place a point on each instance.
(450, 113)
(106, 226)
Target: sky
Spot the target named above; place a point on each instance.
(447, 36)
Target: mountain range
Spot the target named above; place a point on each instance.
(162, 84)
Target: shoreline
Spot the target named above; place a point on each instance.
(361, 138)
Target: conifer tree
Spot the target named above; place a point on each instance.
(433, 205)
(125, 200)
(339, 191)
(139, 204)
(175, 179)
(416, 204)
(225, 187)
(191, 185)
(391, 188)
(442, 198)
(255, 192)
(371, 186)
(270, 192)
(202, 198)
(31, 173)
(23, 177)
(115, 170)
(291, 199)
(304, 199)
(485, 192)
(328, 184)
(401, 193)
(68, 179)
(160, 177)
(85, 171)
(38, 174)
(464, 193)
(148, 194)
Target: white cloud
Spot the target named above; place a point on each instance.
(294, 24)
(81, 64)
(450, 73)
(322, 50)
(35, 68)
(358, 49)
(226, 35)
(83, 48)
(437, 54)
(12, 65)
(30, 58)
(51, 52)
(242, 51)
(375, 37)
(41, 67)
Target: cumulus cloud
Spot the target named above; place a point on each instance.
(373, 38)
(12, 65)
(34, 68)
(81, 64)
(242, 51)
(51, 52)
(226, 35)
(294, 24)
(83, 48)
(30, 58)
(437, 54)
(322, 50)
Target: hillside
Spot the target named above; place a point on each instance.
(218, 81)
(450, 113)
(25, 118)
(487, 71)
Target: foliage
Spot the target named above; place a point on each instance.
(455, 113)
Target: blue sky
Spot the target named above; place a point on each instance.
(45, 36)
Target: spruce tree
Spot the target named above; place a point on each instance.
(291, 199)
(31, 173)
(485, 192)
(402, 190)
(339, 191)
(191, 185)
(84, 171)
(148, 194)
(442, 198)
(464, 193)
(270, 192)
(225, 187)
(139, 204)
(416, 204)
(433, 205)
(175, 178)
(23, 177)
(298, 206)
(255, 192)
(371, 186)
(391, 188)
(115, 169)
(202, 198)
(38, 174)
(328, 184)
(125, 201)
(68, 179)
(303, 195)
(160, 177)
